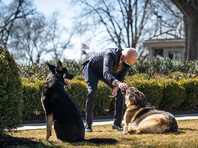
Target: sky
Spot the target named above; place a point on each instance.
(66, 12)
(47, 7)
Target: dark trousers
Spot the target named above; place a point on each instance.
(91, 78)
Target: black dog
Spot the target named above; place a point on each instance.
(59, 107)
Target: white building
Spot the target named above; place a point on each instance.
(169, 44)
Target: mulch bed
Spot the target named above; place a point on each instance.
(8, 141)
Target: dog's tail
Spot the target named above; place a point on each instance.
(173, 126)
(102, 140)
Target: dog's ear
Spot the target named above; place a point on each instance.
(51, 67)
(59, 65)
(141, 99)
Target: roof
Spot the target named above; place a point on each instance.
(172, 34)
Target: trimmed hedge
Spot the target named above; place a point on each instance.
(152, 90)
(10, 92)
(173, 95)
(162, 93)
(78, 93)
(103, 100)
(32, 98)
(191, 90)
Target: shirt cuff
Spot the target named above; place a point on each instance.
(114, 82)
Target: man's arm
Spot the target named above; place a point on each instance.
(107, 72)
(108, 68)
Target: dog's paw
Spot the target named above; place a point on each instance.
(47, 138)
(123, 133)
(56, 140)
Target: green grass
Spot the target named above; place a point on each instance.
(186, 137)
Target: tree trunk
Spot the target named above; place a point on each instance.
(191, 38)
(190, 11)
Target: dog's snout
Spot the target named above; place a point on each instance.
(123, 92)
(70, 76)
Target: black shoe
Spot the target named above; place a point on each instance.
(88, 129)
(118, 127)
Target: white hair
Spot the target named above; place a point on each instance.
(130, 52)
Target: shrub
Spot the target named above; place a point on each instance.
(40, 71)
(152, 90)
(103, 100)
(73, 67)
(161, 92)
(78, 93)
(141, 76)
(79, 77)
(32, 98)
(173, 94)
(34, 72)
(140, 66)
(177, 75)
(191, 90)
(10, 92)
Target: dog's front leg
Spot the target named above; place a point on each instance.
(125, 131)
(126, 127)
(49, 122)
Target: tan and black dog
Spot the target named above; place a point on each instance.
(140, 117)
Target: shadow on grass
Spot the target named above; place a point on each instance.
(188, 129)
(181, 131)
(97, 141)
(89, 142)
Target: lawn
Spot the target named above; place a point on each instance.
(187, 136)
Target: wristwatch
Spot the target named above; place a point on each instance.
(115, 82)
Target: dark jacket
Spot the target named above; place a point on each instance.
(105, 64)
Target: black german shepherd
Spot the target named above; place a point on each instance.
(60, 108)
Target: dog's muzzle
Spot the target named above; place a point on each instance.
(124, 92)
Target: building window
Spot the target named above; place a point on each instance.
(174, 55)
(158, 53)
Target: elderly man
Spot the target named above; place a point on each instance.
(109, 66)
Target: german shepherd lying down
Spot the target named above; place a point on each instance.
(60, 109)
(140, 117)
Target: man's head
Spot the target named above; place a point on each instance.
(129, 55)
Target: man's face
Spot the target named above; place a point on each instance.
(130, 59)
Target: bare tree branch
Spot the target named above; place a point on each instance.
(16, 10)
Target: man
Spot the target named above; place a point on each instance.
(110, 66)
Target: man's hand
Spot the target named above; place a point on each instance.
(123, 86)
(114, 92)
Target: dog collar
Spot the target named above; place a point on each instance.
(49, 80)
